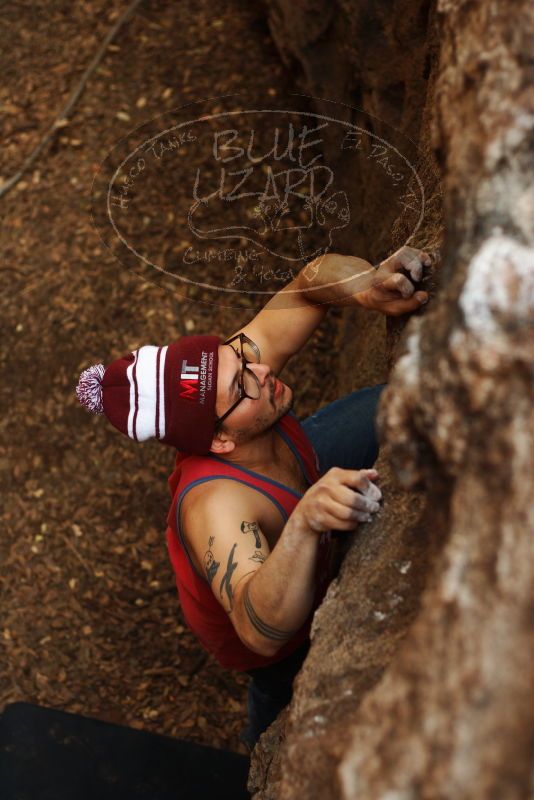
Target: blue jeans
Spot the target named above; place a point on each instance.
(269, 691)
(343, 434)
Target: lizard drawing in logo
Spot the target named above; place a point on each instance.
(280, 224)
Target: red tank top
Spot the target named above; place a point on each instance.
(202, 612)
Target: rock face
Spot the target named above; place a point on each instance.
(371, 65)
(367, 63)
(420, 677)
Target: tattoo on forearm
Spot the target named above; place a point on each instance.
(210, 565)
(251, 572)
(262, 627)
(252, 527)
(258, 556)
(227, 577)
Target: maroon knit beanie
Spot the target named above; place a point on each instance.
(164, 392)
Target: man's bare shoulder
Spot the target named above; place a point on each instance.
(216, 510)
(219, 500)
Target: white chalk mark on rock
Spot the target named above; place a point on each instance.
(499, 286)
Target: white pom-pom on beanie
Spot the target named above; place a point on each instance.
(89, 389)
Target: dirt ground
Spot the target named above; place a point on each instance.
(90, 621)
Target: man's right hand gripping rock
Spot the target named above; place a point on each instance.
(338, 501)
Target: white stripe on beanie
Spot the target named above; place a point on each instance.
(130, 376)
(146, 377)
(160, 429)
(146, 417)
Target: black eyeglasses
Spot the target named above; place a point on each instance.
(247, 382)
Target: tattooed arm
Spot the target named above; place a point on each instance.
(222, 526)
(223, 536)
(269, 594)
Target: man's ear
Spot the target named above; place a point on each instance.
(221, 444)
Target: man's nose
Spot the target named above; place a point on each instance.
(261, 371)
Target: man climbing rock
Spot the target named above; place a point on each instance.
(255, 492)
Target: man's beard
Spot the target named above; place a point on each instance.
(261, 424)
